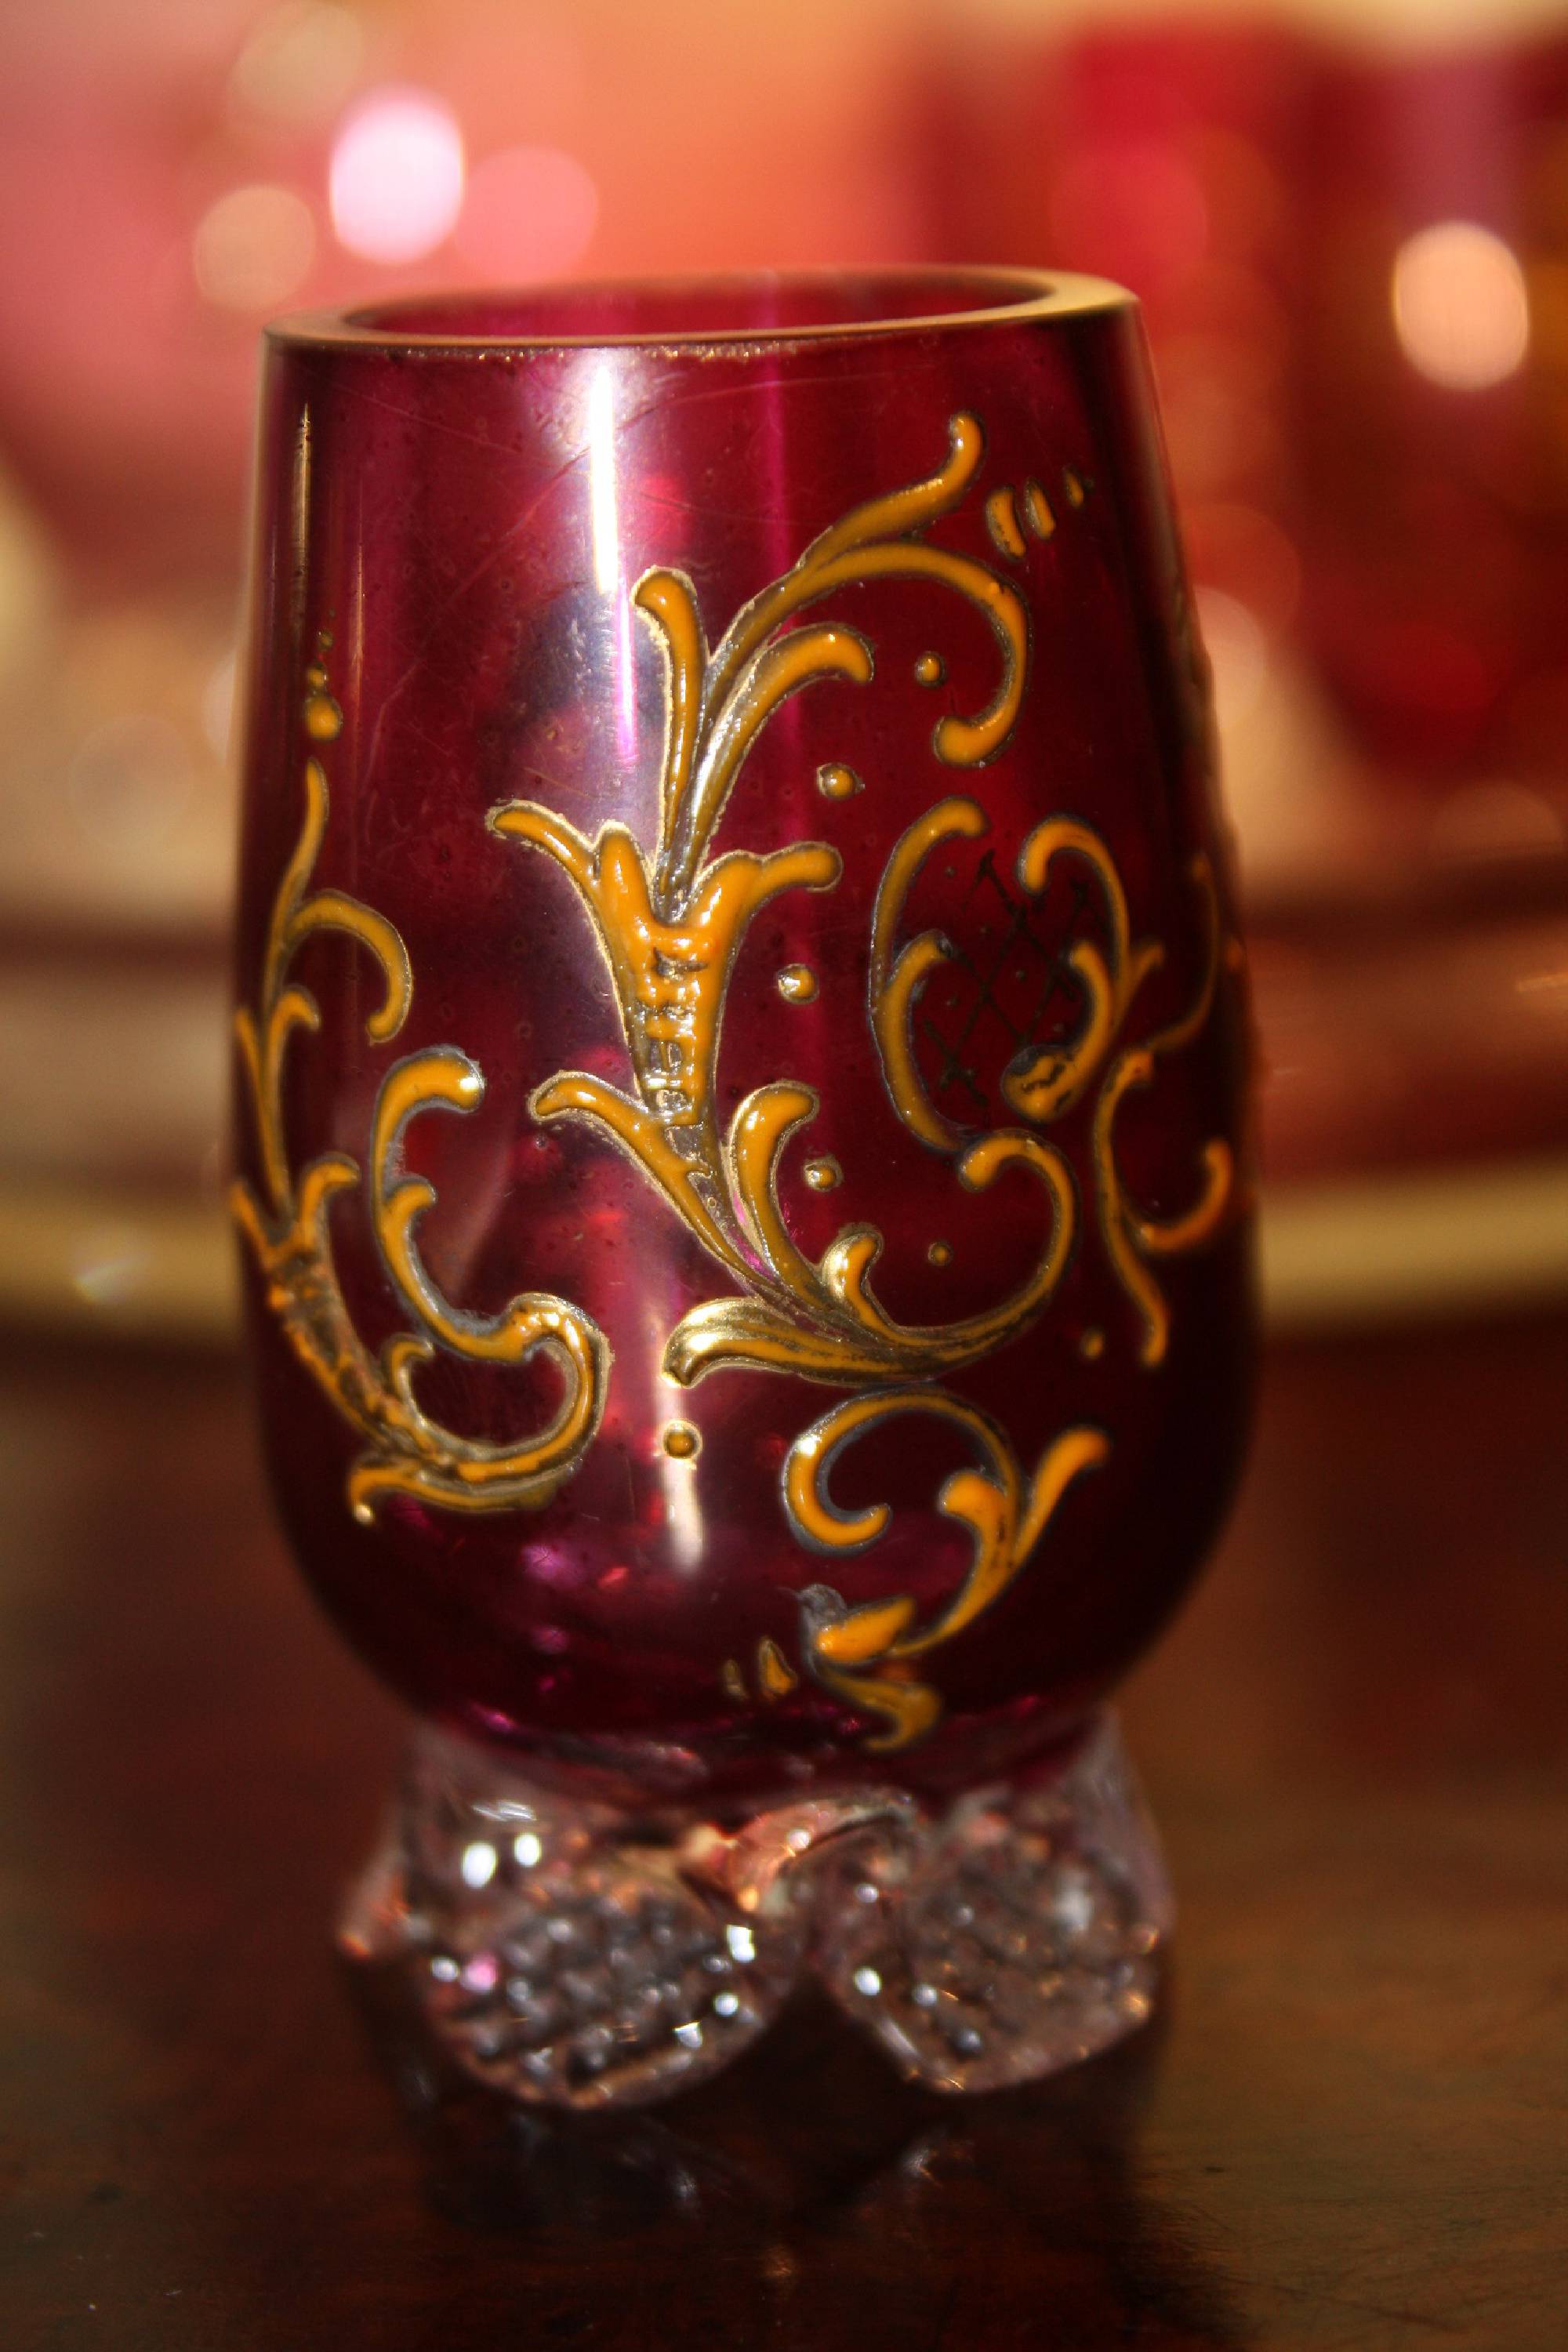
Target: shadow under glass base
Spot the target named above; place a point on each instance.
(576, 1955)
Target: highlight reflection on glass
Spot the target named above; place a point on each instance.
(396, 175)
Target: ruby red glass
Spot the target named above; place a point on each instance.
(741, 1140)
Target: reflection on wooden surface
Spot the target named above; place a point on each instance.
(1345, 2129)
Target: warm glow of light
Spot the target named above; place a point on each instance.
(1238, 651)
(253, 248)
(218, 703)
(1497, 819)
(301, 62)
(131, 779)
(396, 175)
(109, 1265)
(1461, 306)
(1241, 549)
(528, 213)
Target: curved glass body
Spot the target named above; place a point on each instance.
(741, 1124)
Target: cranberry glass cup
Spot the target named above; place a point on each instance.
(742, 1144)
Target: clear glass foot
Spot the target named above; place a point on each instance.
(1012, 1938)
(573, 1955)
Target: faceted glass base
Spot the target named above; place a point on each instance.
(579, 1955)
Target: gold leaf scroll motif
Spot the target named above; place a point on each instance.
(670, 924)
(405, 1451)
(1131, 1235)
(1043, 1084)
(864, 1655)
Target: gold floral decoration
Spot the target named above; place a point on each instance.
(286, 1224)
(865, 1655)
(1044, 1085)
(670, 924)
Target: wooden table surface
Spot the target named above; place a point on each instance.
(1347, 2128)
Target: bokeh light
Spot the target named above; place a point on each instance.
(396, 175)
(1460, 306)
(1237, 649)
(253, 248)
(528, 213)
(109, 1263)
(300, 63)
(218, 703)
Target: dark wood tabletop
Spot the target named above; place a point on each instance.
(1347, 2126)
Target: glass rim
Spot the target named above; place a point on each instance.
(1005, 295)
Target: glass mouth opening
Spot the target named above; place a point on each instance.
(757, 308)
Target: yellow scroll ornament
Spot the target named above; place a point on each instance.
(1044, 1084)
(670, 923)
(286, 1223)
(864, 1655)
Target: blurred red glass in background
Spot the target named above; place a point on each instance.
(1347, 254)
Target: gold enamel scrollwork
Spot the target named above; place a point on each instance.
(405, 1451)
(1131, 1235)
(866, 1656)
(1043, 1084)
(670, 924)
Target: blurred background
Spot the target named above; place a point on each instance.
(1348, 220)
